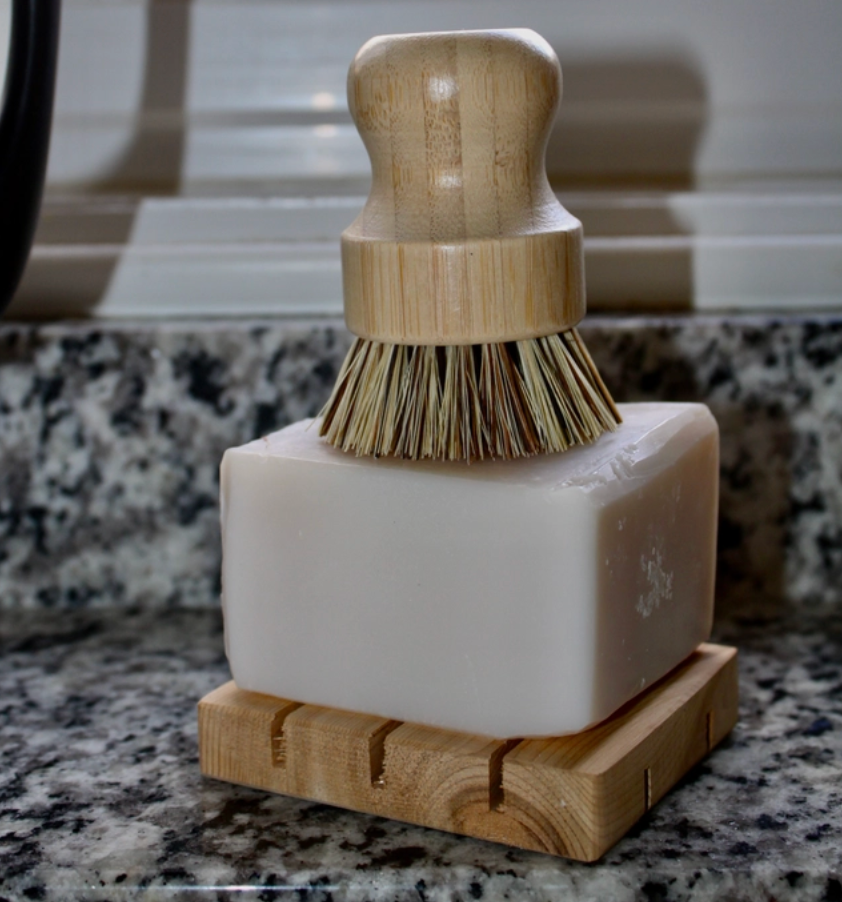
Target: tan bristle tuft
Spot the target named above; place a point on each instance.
(468, 402)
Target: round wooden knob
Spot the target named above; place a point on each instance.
(462, 240)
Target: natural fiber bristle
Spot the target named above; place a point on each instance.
(468, 402)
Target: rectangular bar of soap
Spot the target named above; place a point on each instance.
(507, 598)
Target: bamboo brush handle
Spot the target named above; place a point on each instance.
(462, 240)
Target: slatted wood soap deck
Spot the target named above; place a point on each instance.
(573, 796)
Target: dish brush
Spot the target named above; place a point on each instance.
(463, 276)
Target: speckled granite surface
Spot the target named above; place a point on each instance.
(111, 435)
(101, 797)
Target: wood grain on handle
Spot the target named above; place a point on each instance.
(461, 241)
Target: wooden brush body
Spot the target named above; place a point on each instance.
(462, 240)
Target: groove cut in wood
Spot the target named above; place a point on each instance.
(573, 796)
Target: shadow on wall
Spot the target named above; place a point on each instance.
(154, 157)
(152, 163)
(631, 124)
(628, 123)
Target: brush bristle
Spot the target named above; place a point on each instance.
(468, 402)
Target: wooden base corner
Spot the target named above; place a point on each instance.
(573, 796)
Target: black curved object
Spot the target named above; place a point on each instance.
(25, 132)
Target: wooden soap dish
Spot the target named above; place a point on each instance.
(573, 796)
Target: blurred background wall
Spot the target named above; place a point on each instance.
(204, 162)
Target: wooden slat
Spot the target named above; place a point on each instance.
(573, 795)
(242, 736)
(331, 755)
(581, 793)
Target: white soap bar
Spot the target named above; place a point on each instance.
(517, 598)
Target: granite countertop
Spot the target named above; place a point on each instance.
(111, 436)
(110, 441)
(101, 795)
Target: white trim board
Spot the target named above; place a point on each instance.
(748, 249)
